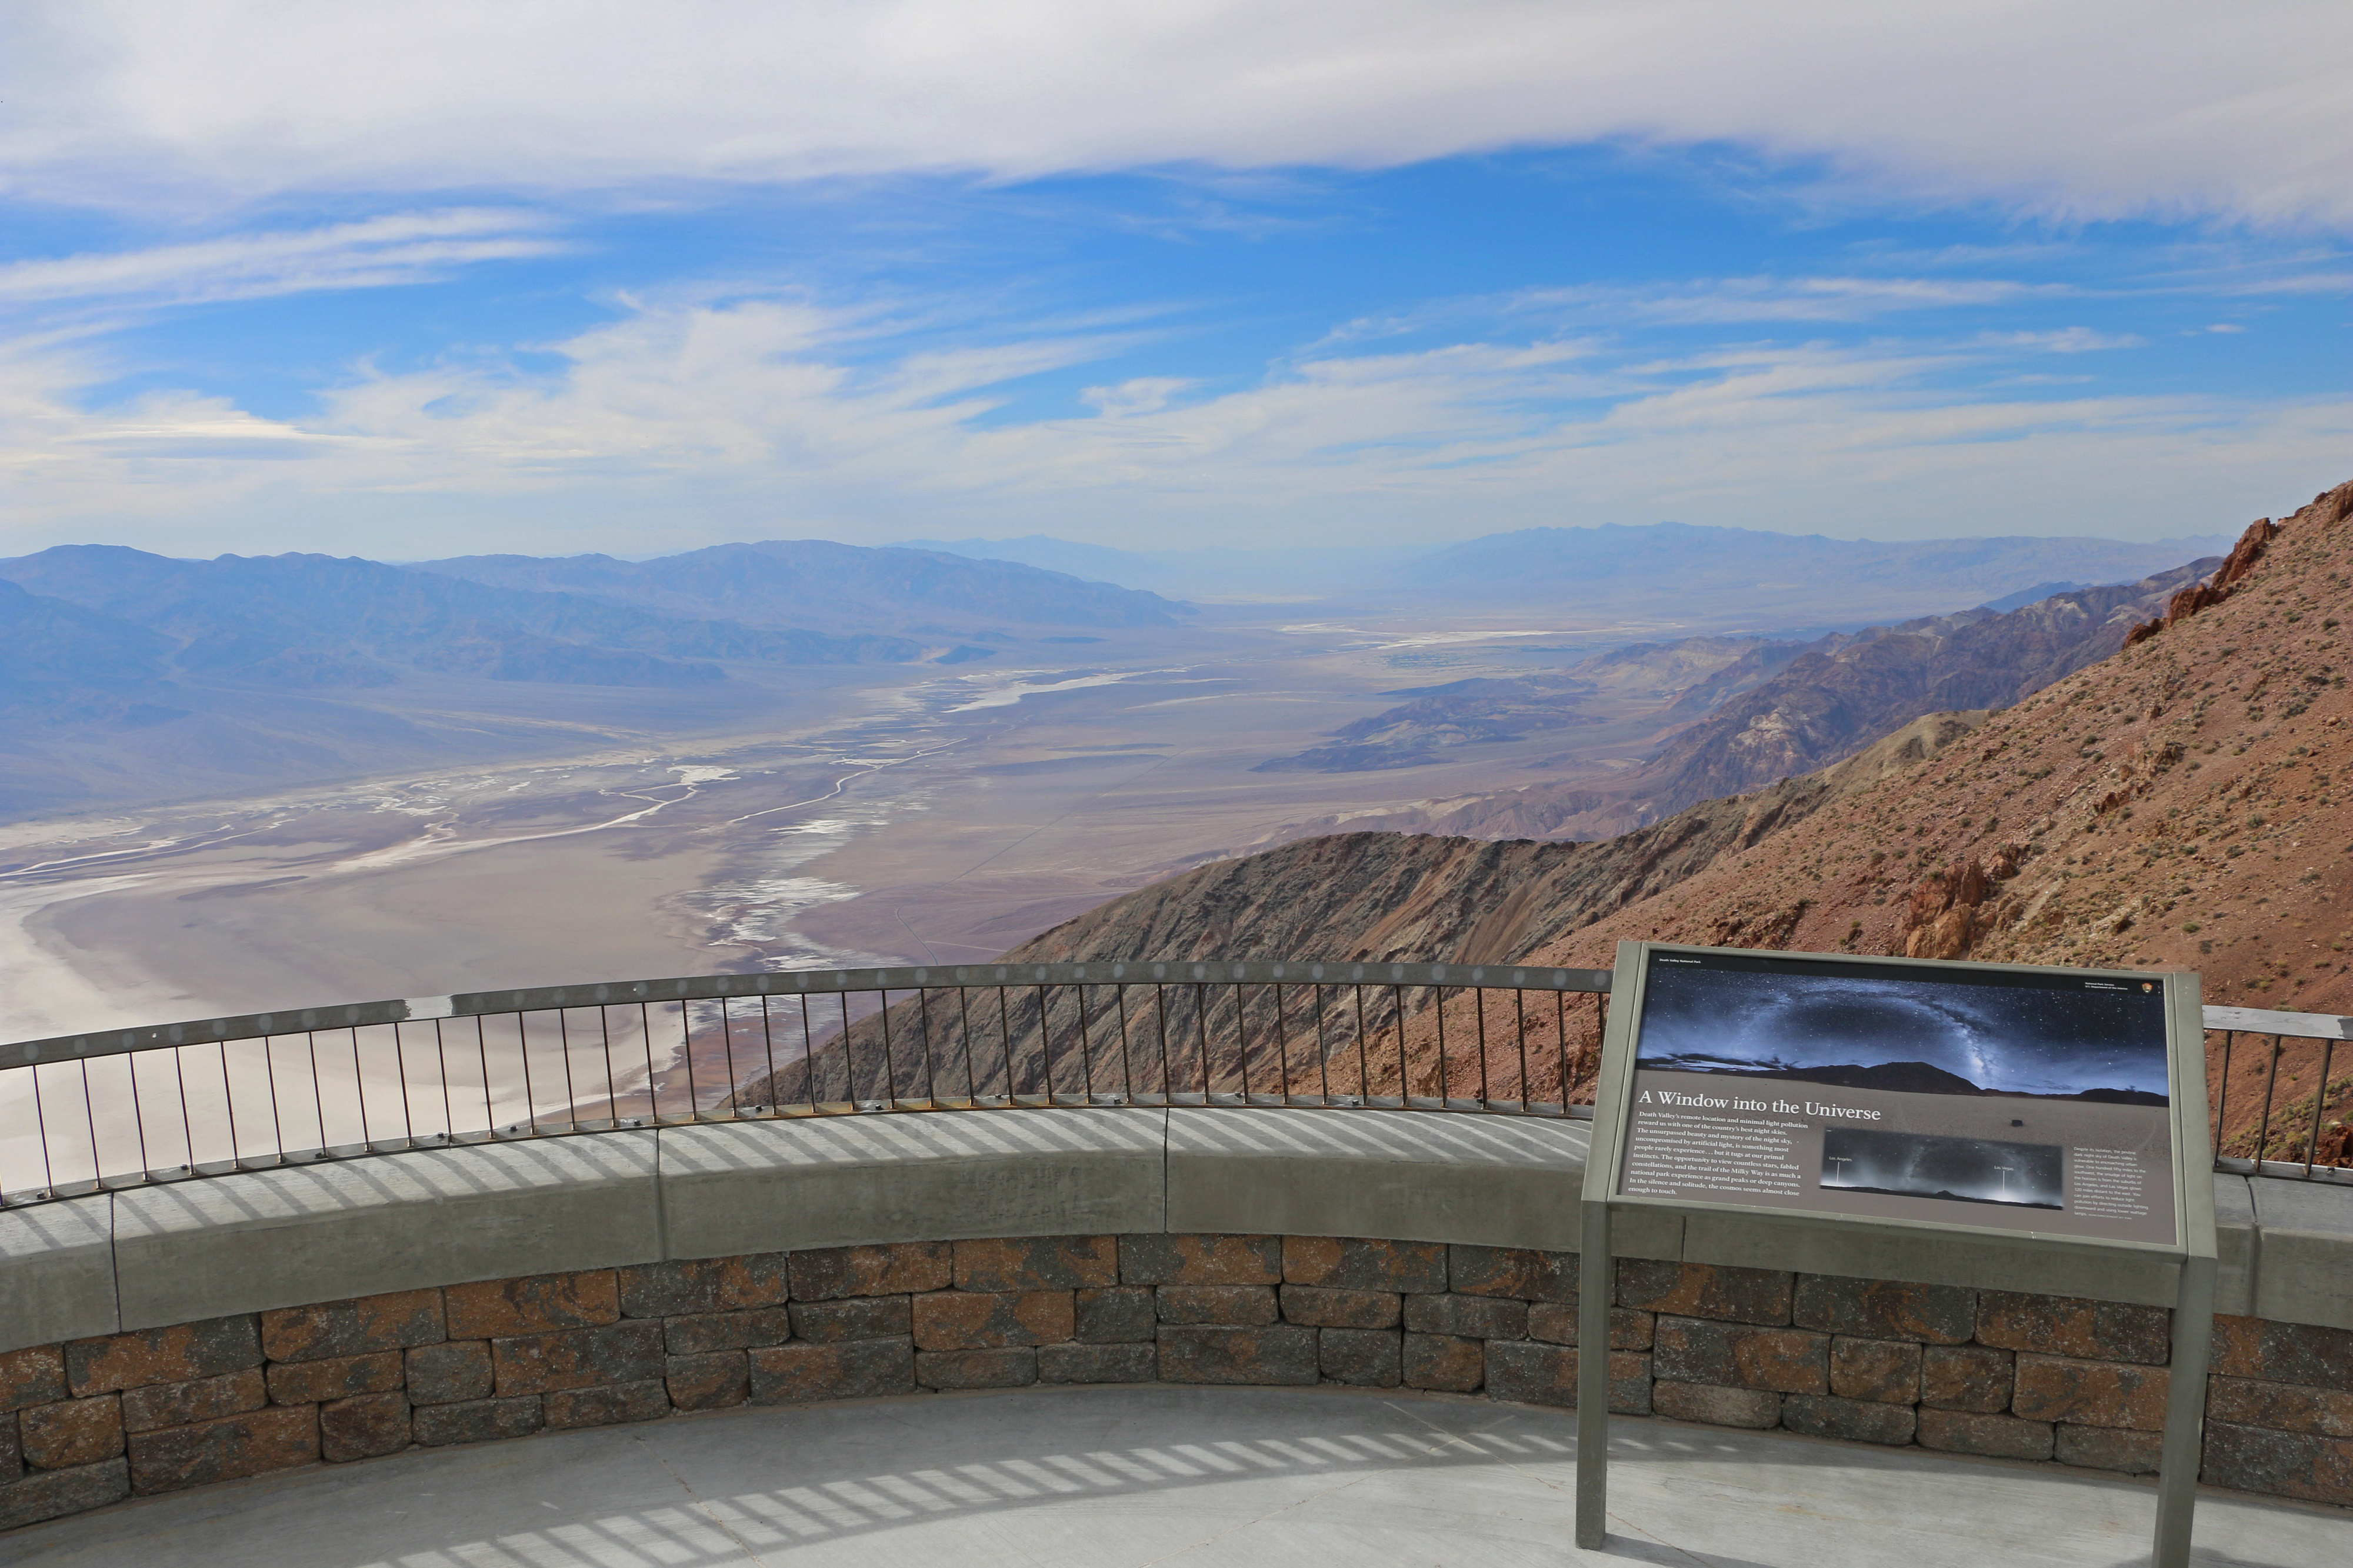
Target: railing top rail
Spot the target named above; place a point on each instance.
(791, 983)
(2263, 1021)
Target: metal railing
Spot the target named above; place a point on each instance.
(89, 1112)
(93, 1112)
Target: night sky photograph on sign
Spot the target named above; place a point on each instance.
(1912, 1031)
(1924, 1165)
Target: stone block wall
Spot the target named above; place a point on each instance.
(1976, 1371)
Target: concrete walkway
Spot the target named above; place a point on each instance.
(1131, 1477)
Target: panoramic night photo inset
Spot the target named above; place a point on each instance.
(1919, 1032)
(1925, 1165)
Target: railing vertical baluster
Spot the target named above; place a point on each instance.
(89, 1119)
(1560, 1037)
(449, 1111)
(889, 1066)
(768, 1050)
(482, 1056)
(848, 1064)
(727, 1042)
(400, 1066)
(41, 1131)
(1322, 1055)
(187, 1128)
(1167, 1073)
(359, 1082)
(1126, 1059)
(1282, 1043)
(2222, 1094)
(1364, 1071)
(923, 1022)
(809, 1055)
(686, 1036)
(1086, 1048)
(2319, 1104)
(1241, 1040)
(2263, 1137)
(318, 1091)
(1005, 1028)
(612, 1084)
(1201, 1029)
(1445, 1084)
(139, 1118)
(1519, 1032)
(646, 1038)
(523, 1054)
(1046, 1042)
(1396, 1002)
(564, 1050)
(1479, 1003)
(964, 1012)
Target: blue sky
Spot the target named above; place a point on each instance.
(410, 281)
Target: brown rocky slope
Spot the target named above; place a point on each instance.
(2178, 805)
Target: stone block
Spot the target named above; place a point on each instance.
(1364, 1358)
(1555, 1322)
(706, 1284)
(1883, 1372)
(12, 1448)
(857, 1318)
(1116, 1314)
(1966, 1377)
(1319, 1308)
(899, 1269)
(2283, 1406)
(610, 1405)
(1098, 1363)
(2284, 1463)
(1238, 1305)
(181, 1353)
(1735, 1355)
(317, 1382)
(183, 1403)
(1546, 1375)
(35, 1375)
(53, 1494)
(1468, 1317)
(1514, 1271)
(449, 1373)
(394, 1321)
(855, 1369)
(1443, 1362)
(1854, 1420)
(1200, 1259)
(2305, 1353)
(278, 1438)
(1997, 1437)
(700, 1333)
(477, 1420)
(1037, 1263)
(991, 1320)
(2107, 1448)
(1883, 1309)
(2091, 1392)
(1716, 1406)
(629, 1351)
(363, 1426)
(1003, 1368)
(2072, 1326)
(70, 1433)
(711, 1380)
(1342, 1263)
(538, 1304)
(1705, 1291)
(1281, 1353)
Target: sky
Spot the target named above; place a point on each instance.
(419, 279)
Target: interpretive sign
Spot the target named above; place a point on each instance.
(2015, 1100)
(1990, 1116)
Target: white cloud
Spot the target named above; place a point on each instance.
(2102, 108)
(688, 421)
(407, 247)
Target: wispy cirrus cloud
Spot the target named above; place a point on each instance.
(377, 252)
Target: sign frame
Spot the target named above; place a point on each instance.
(2191, 1254)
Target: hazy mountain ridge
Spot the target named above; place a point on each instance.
(816, 583)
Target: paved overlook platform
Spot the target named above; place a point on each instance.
(1113, 1476)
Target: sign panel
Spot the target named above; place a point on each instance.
(2003, 1099)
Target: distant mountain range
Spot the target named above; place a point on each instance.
(1701, 575)
(125, 674)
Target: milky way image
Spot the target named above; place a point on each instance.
(1974, 1170)
(2001, 1038)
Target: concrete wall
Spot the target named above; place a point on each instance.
(157, 1255)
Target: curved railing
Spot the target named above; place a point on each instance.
(85, 1113)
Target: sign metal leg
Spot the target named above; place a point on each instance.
(1596, 1288)
(2185, 1411)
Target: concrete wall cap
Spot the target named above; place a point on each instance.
(56, 1271)
(719, 1149)
(1415, 1137)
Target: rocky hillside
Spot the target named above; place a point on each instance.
(2176, 804)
